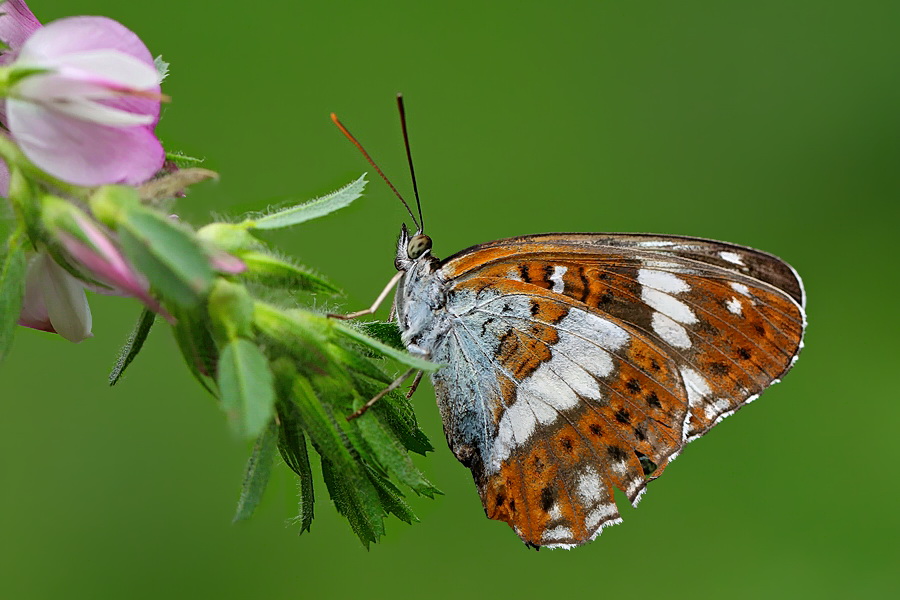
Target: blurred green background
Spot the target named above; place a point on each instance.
(772, 124)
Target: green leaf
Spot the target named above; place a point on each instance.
(392, 454)
(192, 332)
(292, 446)
(321, 427)
(168, 255)
(398, 355)
(246, 387)
(273, 271)
(256, 477)
(12, 289)
(133, 344)
(298, 333)
(351, 357)
(358, 501)
(393, 409)
(391, 498)
(313, 209)
(387, 333)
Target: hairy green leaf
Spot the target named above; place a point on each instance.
(314, 209)
(384, 332)
(391, 498)
(396, 412)
(246, 387)
(322, 428)
(358, 501)
(182, 160)
(392, 454)
(273, 271)
(398, 355)
(256, 476)
(133, 344)
(292, 446)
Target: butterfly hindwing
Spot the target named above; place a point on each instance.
(579, 363)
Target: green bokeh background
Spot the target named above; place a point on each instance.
(772, 124)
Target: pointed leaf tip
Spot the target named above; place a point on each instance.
(313, 209)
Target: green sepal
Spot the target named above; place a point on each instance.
(246, 387)
(12, 288)
(133, 344)
(313, 209)
(256, 476)
(169, 256)
(276, 272)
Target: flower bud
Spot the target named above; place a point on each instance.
(229, 237)
(110, 203)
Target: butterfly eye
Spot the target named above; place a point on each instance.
(418, 245)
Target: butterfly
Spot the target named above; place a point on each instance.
(580, 363)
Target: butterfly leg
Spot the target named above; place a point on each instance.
(387, 290)
(393, 386)
(415, 385)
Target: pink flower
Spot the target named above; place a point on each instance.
(54, 300)
(89, 117)
(16, 23)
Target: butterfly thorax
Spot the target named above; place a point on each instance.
(420, 299)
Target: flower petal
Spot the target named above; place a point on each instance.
(110, 67)
(80, 34)
(64, 298)
(34, 311)
(17, 23)
(4, 179)
(81, 152)
(67, 305)
(75, 35)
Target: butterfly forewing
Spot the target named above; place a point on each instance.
(580, 363)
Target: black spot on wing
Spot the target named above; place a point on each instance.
(548, 499)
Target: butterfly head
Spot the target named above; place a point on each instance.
(412, 248)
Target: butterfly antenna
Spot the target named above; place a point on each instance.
(412, 171)
(356, 143)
